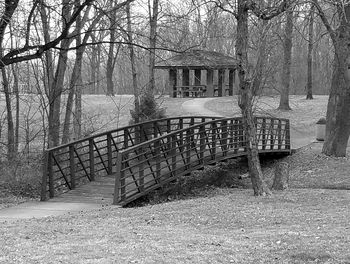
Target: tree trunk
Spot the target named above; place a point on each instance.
(260, 64)
(246, 101)
(133, 66)
(287, 61)
(153, 19)
(56, 88)
(338, 109)
(10, 126)
(281, 177)
(110, 58)
(309, 54)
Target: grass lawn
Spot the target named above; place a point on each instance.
(303, 117)
(309, 223)
(224, 226)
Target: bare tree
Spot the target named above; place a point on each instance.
(338, 109)
(309, 53)
(287, 61)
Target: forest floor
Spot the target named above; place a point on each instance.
(210, 222)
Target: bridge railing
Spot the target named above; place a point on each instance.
(147, 166)
(67, 166)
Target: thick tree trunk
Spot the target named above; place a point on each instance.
(246, 100)
(309, 54)
(338, 109)
(287, 61)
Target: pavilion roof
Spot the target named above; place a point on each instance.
(198, 59)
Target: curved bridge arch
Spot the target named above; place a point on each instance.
(145, 156)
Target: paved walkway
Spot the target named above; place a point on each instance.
(29, 210)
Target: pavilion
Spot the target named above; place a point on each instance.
(199, 73)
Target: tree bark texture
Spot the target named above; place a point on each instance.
(246, 101)
(281, 177)
(309, 54)
(338, 109)
(153, 20)
(110, 58)
(287, 61)
(133, 66)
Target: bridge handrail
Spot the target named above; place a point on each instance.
(149, 165)
(66, 165)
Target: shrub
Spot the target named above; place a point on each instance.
(149, 110)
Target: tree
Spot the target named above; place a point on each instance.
(338, 108)
(245, 83)
(287, 61)
(309, 53)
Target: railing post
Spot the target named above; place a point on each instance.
(224, 137)
(263, 134)
(141, 169)
(44, 178)
(287, 140)
(188, 148)
(109, 153)
(157, 158)
(50, 170)
(168, 126)
(92, 159)
(173, 153)
(236, 137)
(213, 140)
(119, 175)
(271, 131)
(126, 139)
(72, 167)
(202, 143)
(279, 134)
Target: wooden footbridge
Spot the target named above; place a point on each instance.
(127, 163)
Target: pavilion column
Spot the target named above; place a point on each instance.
(185, 81)
(172, 82)
(210, 86)
(197, 82)
(221, 78)
(231, 81)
